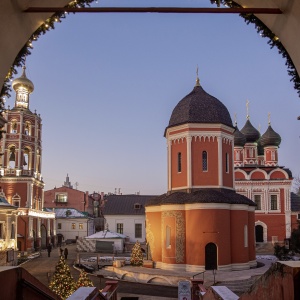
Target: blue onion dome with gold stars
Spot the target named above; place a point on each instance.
(23, 81)
(251, 133)
(239, 138)
(270, 137)
(200, 107)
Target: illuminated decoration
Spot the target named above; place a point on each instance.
(62, 282)
(261, 28)
(25, 51)
(273, 41)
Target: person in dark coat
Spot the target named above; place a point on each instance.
(66, 252)
(49, 248)
(61, 251)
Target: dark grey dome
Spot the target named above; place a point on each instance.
(239, 138)
(270, 138)
(199, 107)
(251, 134)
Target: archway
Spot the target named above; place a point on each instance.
(259, 234)
(285, 27)
(211, 257)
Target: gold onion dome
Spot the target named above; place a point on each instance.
(23, 81)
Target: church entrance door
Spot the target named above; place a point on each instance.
(259, 234)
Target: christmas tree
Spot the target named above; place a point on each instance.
(84, 280)
(136, 255)
(62, 282)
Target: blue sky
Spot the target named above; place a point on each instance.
(106, 85)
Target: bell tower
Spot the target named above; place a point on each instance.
(21, 178)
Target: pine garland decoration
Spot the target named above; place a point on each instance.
(83, 280)
(62, 283)
(273, 41)
(136, 255)
(25, 51)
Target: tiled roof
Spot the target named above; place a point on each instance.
(202, 196)
(200, 107)
(295, 202)
(125, 204)
(61, 213)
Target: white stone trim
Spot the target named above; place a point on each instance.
(220, 162)
(200, 206)
(240, 266)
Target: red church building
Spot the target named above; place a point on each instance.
(259, 177)
(201, 222)
(21, 179)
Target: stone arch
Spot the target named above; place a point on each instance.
(211, 256)
(265, 231)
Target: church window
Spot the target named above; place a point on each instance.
(27, 128)
(73, 226)
(14, 127)
(273, 155)
(16, 200)
(26, 159)
(274, 203)
(80, 225)
(204, 161)
(120, 228)
(168, 237)
(138, 231)
(227, 162)
(245, 236)
(12, 157)
(238, 155)
(58, 225)
(179, 162)
(298, 216)
(257, 200)
(251, 152)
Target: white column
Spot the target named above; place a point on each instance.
(8, 229)
(54, 226)
(48, 227)
(30, 227)
(19, 164)
(189, 161)
(38, 227)
(169, 145)
(220, 161)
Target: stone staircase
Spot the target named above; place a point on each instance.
(239, 286)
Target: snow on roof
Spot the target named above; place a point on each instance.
(67, 213)
(106, 235)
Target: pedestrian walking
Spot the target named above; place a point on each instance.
(49, 248)
(61, 251)
(66, 252)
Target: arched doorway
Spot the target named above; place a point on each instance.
(44, 237)
(211, 259)
(259, 234)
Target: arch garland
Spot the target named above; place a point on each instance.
(261, 28)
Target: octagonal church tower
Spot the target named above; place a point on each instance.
(201, 222)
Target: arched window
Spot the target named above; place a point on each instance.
(16, 200)
(238, 155)
(27, 128)
(14, 127)
(204, 161)
(26, 159)
(179, 162)
(12, 157)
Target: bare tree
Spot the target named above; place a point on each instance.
(296, 185)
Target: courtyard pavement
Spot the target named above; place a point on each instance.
(43, 267)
